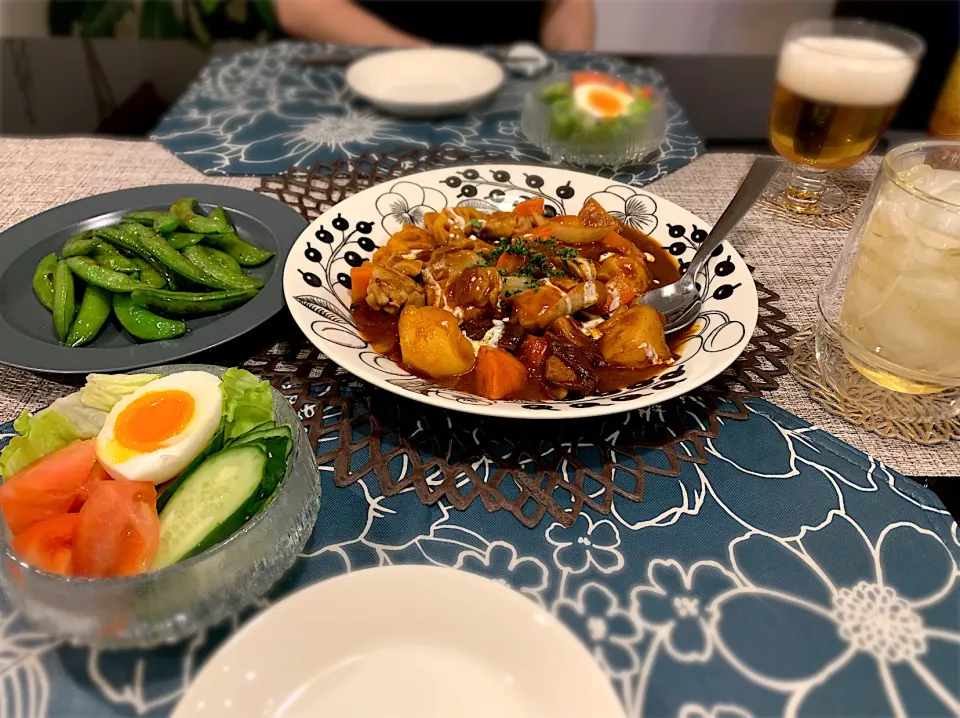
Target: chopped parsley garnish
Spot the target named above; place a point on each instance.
(477, 224)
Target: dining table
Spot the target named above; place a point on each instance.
(790, 567)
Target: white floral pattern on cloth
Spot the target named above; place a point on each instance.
(261, 112)
(587, 543)
(790, 575)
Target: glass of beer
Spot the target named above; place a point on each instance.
(888, 337)
(839, 84)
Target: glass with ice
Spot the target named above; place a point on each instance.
(891, 306)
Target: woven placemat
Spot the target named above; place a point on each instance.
(527, 468)
(854, 190)
(873, 410)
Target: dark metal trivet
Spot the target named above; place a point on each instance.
(526, 467)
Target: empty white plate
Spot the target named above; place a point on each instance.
(425, 82)
(404, 642)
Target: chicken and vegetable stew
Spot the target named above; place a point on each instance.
(516, 305)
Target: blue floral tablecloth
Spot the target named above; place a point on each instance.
(789, 575)
(261, 112)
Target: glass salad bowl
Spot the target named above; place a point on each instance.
(172, 603)
(590, 118)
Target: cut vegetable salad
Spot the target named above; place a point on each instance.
(137, 472)
(593, 107)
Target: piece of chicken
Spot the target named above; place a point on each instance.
(475, 289)
(390, 291)
(505, 225)
(537, 308)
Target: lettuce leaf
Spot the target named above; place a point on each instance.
(40, 434)
(104, 391)
(86, 420)
(247, 402)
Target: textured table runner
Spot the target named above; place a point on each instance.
(791, 260)
(261, 111)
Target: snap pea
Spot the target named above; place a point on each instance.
(144, 324)
(92, 273)
(121, 240)
(183, 210)
(91, 316)
(43, 280)
(219, 216)
(109, 256)
(80, 244)
(160, 250)
(130, 241)
(230, 275)
(190, 303)
(161, 221)
(64, 302)
(246, 254)
(182, 240)
(230, 264)
(149, 275)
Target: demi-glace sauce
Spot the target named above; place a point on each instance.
(381, 331)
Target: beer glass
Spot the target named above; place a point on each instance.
(889, 330)
(839, 84)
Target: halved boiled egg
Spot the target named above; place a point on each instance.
(153, 434)
(600, 100)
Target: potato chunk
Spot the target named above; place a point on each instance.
(633, 337)
(431, 342)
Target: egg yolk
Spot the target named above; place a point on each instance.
(152, 419)
(607, 103)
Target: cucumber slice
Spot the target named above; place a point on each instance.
(216, 443)
(211, 503)
(258, 427)
(270, 432)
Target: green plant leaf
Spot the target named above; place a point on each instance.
(100, 16)
(157, 20)
(209, 6)
(264, 9)
(197, 27)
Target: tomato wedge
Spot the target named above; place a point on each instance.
(47, 487)
(48, 544)
(119, 530)
(96, 475)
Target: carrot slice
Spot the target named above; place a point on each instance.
(499, 373)
(510, 262)
(529, 206)
(359, 281)
(620, 245)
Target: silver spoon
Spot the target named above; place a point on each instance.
(680, 302)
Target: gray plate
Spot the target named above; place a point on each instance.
(27, 337)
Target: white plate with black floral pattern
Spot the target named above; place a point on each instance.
(316, 279)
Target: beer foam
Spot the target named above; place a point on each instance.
(846, 70)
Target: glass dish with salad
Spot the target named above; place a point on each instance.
(145, 507)
(592, 118)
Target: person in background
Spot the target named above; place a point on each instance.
(553, 24)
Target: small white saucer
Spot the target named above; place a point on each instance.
(426, 82)
(403, 642)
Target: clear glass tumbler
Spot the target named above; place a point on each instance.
(839, 84)
(889, 331)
